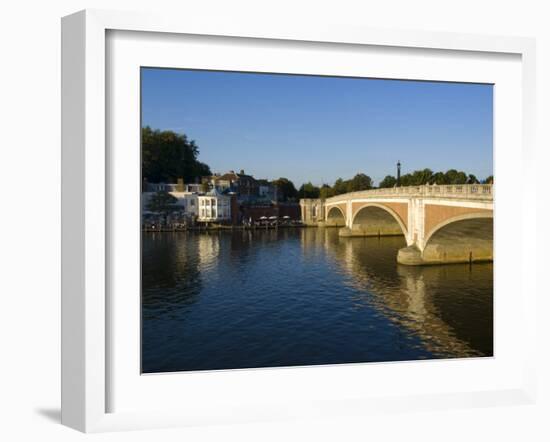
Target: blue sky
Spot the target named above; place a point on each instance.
(310, 128)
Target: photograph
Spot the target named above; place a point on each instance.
(302, 220)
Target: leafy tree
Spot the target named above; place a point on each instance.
(308, 190)
(167, 156)
(417, 178)
(326, 191)
(285, 189)
(421, 177)
(388, 181)
(162, 203)
(439, 178)
(364, 182)
(489, 180)
(340, 186)
(450, 176)
(427, 176)
(455, 177)
(359, 182)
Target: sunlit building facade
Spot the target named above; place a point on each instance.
(214, 207)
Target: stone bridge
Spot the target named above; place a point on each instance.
(440, 223)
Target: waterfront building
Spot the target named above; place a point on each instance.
(214, 206)
(185, 209)
(179, 186)
(244, 186)
(192, 188)
(160, 187)
(267, 190)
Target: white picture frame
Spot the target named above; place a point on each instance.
(86, 315)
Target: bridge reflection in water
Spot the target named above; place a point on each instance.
(449, 306)
(291, 297)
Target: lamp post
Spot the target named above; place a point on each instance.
(398, 173)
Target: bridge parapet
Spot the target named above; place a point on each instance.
(482, 192)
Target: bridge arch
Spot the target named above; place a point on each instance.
(467, 237)
(335, 217)
(376, 219)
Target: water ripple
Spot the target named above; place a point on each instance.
(303, 297)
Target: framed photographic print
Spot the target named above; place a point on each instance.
(268, 223)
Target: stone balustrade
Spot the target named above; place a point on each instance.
(448, 191)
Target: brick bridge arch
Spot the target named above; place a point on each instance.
(336, 216)
(464, 216)
(379, 219)
(463, 237)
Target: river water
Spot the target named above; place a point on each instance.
(305, 296)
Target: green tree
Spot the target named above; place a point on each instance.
(167, 156)
(359, 182)
(339, 187)
(388, 181)
(308, 190)
(439, 178)
(326, 191)
(162, 203)
(417, 178)
(453, 176)
(472, 179)
(285, 189)
(421, 177)
(489, 180)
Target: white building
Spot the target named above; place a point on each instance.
(186, 206)
(214, 207)
(180, 187)
(193, 188)
(188, 202)
(190, 206)
(161, 187)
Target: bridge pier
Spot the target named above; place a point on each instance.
(410, 255)
(345, 232)
(446, 254)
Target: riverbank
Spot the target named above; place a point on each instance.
(214, 228)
